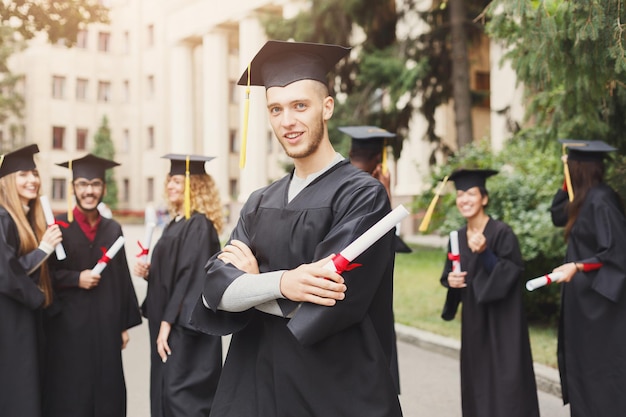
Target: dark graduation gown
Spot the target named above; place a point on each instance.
(20, 299)
(592, 327)
(83, 368)
(497, 376)
(324, 361)
(186, 384)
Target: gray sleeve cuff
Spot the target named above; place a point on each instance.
(251, 290)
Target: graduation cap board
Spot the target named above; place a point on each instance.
(18, 160)
(280, 63)
(187, 165)
(369, 138)
(583, 151)
(89, 167)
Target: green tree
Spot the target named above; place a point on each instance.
(104, 148)
(11, 102)
(386, 74)
(571, 59)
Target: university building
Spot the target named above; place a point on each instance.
(164, 75)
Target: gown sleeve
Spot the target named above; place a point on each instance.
(610, 229)
(33, 259)
(14, 282)
(311, 322)
(453, 295)
(199, 242)
(558, 210)
(506, 272)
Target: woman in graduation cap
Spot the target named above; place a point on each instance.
(25, 243)
(497, 377)
(185, 364)
(592, 327)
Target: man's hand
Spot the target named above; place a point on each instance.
(457, 279)
(313, 283)
(125, 339)
(141, 269)
(240, 255)
(87, 279)
(163, 348)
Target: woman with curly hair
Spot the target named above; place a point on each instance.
(25, 244)
(185, 364)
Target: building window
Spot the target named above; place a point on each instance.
(104, 41)
(81, 39)
(81, 139)
(150, 137)
(150, 190)
(125, 140)
(482, 87)
(150, 87)
(58, 87)
(125, 190)
(233, 142)
(126, 42)
(81, 89)
(150, 36)
(58, 136)
(104, 91)
(58, 188)
(126, 91)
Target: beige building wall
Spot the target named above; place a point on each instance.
(172, 68)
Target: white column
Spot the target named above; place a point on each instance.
(181, 104)
(254, 175)
(506, 98)
(215, 107)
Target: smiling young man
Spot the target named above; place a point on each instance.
(306, 340)
(83, 374)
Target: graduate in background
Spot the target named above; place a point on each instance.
(306, 341)
(83, 369)
(185, 365)
(25, 243)
(497, 376)
(592, 335)
(367, 152)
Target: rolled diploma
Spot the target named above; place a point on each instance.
(539, 282)
(47, 212)
(370, 237)
(146, 240)
(115, 247)
(454, 250)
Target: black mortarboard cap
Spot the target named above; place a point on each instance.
(586, 150)
(370, 137)
(279, 63)
(179, 162)
(464, 179)
(89, 166)
(18, 160)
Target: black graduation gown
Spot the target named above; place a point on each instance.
(186, 384)
(324, 361)
(592, 327)
(83, 368)
(497, 376)
(20, 299)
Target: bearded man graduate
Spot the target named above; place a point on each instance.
(306, 340)
(83, 368)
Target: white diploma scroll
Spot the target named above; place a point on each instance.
(102, 263)
(47, 212)
(367, 239)
(145, 247)
(542, 281)
(454, 251)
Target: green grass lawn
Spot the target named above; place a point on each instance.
(419, 298)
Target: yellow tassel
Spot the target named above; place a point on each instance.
(568, 178)
(70, 213)
(431, 208)
(187, 190)
(384, 161)
(1, 160)
(244, 129)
